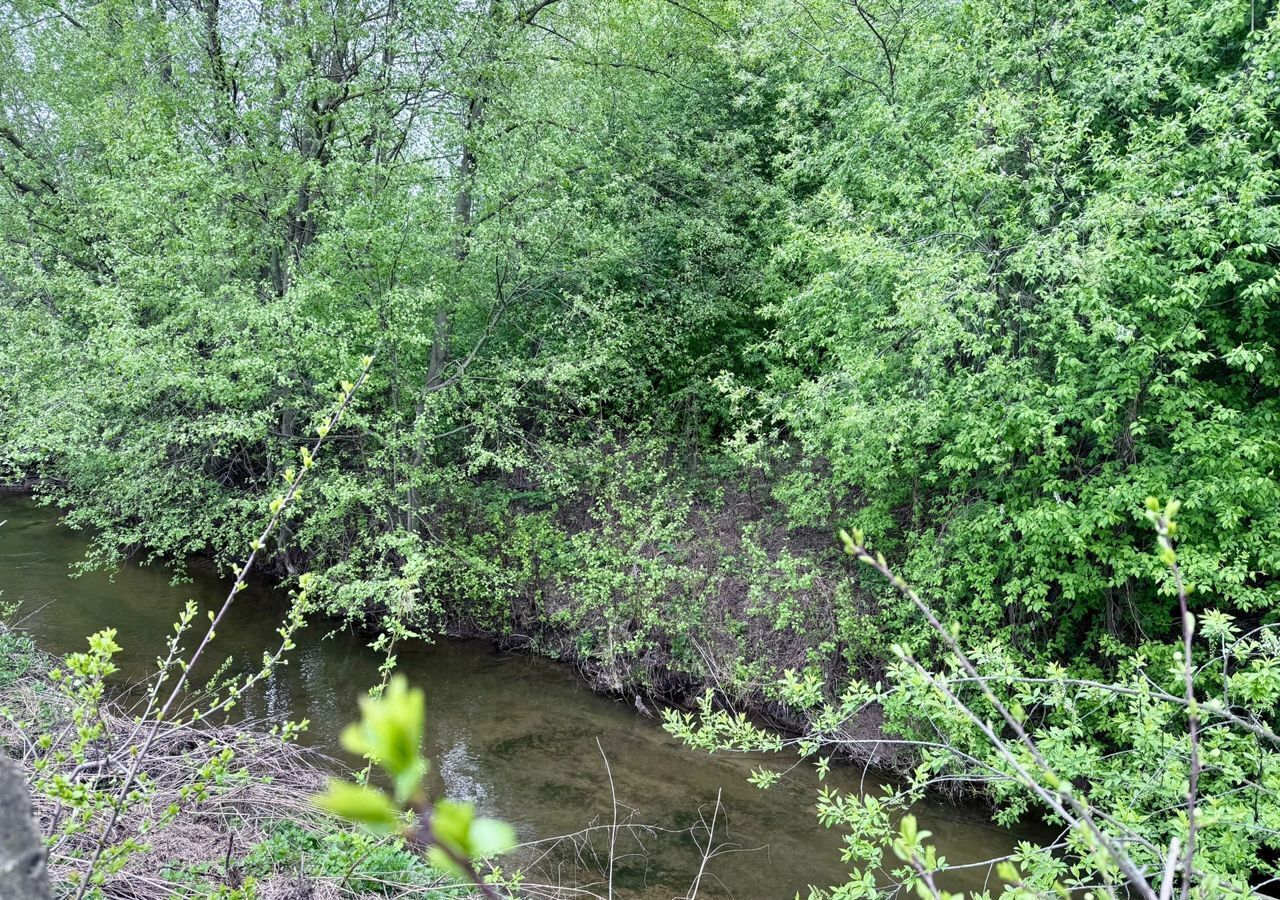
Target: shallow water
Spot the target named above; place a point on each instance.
(515, 734)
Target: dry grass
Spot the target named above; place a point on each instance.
(200, 851)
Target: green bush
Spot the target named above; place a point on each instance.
(362, 864)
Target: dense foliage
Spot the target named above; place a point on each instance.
(649, 283)
(1160, 774)
(1029, 280)
(662, 293)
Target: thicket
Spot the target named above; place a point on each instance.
(129, 796)
(1157, 778)
(664, 294)
(657, 288)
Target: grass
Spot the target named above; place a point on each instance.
(252, 834)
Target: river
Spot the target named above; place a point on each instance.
(515, 734)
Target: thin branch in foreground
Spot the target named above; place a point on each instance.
(277, 511)
(1057, 793)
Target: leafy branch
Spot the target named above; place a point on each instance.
(389, 734)
(294, 478)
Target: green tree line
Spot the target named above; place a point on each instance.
(659, 296)
(662, 293)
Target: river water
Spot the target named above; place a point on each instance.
(519, 736)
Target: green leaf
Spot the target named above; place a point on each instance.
(368, 806)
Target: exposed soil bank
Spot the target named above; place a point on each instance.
(654, 677)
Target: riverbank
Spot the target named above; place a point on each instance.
(222, 811)
(745, 571)
(519, 736)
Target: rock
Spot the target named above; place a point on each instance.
(23, 873)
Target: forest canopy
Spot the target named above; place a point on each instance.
(654, 300)
(662, 294)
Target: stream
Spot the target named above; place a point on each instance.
(520, 736)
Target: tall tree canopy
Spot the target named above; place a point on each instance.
(662, 293)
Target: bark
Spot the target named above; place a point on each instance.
(225, 100)
(463, 210)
